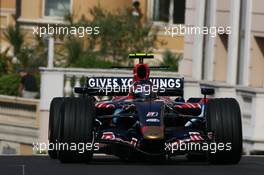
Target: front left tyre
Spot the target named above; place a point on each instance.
(224, 122)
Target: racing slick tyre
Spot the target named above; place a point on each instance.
(76, 129)
(224, 121)
(54, 118)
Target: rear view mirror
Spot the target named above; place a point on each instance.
(207, 91)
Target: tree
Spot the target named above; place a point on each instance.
(120, 34)
(29, 56)
(15, 37)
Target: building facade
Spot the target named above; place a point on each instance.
(36, 12)
(237, 58)
(7, 18)
(234, 62)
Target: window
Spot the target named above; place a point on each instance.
(57, 8)
(171, 11)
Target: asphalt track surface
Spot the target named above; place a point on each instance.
(106, 165)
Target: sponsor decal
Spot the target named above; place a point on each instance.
(127, 82)
(104, 105)
(111, 136)
(210, 135)
(152, 114)
(188, 105)
(180, 141)
(108, 136)
(154, 120)
(195, 136)
(134, 141)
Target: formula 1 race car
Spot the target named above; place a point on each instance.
(146, 118)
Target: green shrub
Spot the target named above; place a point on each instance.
(6, 65)
(9, 84)
(170, 59)
(91, 60)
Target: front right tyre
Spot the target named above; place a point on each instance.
(54, 120)
(76, 130)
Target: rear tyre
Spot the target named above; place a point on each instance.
(76, 128)
(224, 121)
(54, 120)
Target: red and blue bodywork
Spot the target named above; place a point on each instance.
(134, 122)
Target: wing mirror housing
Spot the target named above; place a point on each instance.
(207, 91)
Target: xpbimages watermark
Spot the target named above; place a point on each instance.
(180, 29)
(195, 146)
(56, 29)
(146, 89)
(60, 146)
